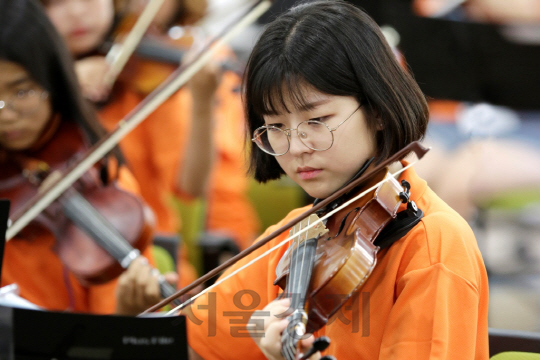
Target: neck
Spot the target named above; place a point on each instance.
(48, 132)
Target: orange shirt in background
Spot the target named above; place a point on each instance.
(151, 149)
(427, 297)
(154, 151)
(43, 280)
(228, 208)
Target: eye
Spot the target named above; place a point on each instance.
(275, 126)
(21, 93)
(320, 119)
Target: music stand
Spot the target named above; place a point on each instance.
(4, 216)
(464, 61)
(39, 335)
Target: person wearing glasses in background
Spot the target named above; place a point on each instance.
(41, 106)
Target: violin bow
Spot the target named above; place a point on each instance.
(119, 54)
(415, 147)
(174, 82)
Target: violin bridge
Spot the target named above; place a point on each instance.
(50, 180)
(313, 232)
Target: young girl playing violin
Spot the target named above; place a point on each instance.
(207, 163)
(44, 121)
(323, 95)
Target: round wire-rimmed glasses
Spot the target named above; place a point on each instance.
(24, 101)
(314, 134)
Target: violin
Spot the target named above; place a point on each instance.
(335, 258)
(84, 240)
(155, 58)
(99, 228)
(334, 254)
(144, 59)
(414, 147)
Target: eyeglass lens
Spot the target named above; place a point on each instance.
(314, 134)
(24, 101)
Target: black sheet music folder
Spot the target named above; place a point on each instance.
(4, 216)
(35, 335)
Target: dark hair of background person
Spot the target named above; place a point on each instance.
(28, 38)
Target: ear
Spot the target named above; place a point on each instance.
(376, 119)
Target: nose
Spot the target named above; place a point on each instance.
(297, 145)
(77, 7)
(6, 112)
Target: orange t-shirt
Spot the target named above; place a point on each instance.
(43, 279)
(155, 149)
(427, 297)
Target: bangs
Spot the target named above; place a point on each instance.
(277, 86)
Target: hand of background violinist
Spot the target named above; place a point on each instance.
(205, 82)
(138, 288)
(91, 75)
(270, 341)
(503, 12)
(193, 176)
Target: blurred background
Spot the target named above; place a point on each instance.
(477, 62)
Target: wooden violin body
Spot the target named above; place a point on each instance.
(77, 249)
(154, 60)
(346, 256)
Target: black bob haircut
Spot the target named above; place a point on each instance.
(339, 50)
(28, 38)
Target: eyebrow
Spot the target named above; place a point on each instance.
(19, 81)
(312, 105)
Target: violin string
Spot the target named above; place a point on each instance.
(293, 290)
(293, 268)
(287, 240)
(298, 289)
(289, 349)
(303, 263)
(296, 270)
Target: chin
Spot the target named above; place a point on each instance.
(317, 193)
(16, 146)
(83, 47)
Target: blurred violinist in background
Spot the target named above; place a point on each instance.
(228, 211)
(45, 124)
(189, 146)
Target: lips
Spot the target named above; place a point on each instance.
(306, 173)
(78, 32)
(12, 134)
